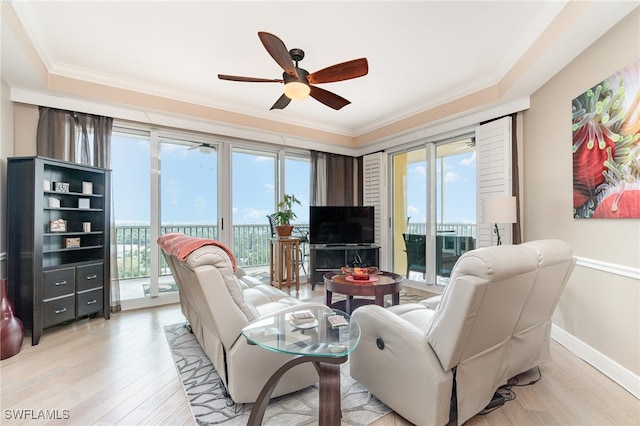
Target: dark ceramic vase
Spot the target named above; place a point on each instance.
(11, 329)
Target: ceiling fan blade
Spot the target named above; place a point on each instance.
(339, 72)
(281, 103)
(248, 79)
(278, 52)
(329, 99)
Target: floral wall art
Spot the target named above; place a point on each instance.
(606, 147)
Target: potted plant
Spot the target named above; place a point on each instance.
(284, 215)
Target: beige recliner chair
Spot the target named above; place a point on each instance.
(491, 324)
(219, 300)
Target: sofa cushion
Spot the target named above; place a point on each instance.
(415, 313)
(181, 246)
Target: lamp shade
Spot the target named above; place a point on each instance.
(499, 209)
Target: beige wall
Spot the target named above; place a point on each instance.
(6, 150)
(26, 129)
(600, 306)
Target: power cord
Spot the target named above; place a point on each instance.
(515, 382)
(507, 393)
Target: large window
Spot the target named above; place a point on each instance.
(178, 182)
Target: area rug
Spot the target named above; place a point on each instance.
(209, 406)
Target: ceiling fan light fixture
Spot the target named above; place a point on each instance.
(296, 90)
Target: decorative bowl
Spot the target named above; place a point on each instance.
(359, 273)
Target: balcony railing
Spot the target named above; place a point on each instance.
(251, 244)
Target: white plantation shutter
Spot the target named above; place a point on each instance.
(374, 194)
(493, 151)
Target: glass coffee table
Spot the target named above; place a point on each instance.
(377, 286)
(316, 334)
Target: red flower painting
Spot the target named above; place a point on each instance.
(606, 147)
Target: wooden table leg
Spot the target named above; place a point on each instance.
(329, 399)
(272, 266)
(395, 298)
(296, 264)
(289, 267)
(329, 405)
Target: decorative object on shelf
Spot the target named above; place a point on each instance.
(86, 226)
(87, 187)
(54, 202)
(58, 225)
(284, 215)
(499, 209)
(72, 242)
(46, 185)
(84, 203)
(11, 330)
(61, 186)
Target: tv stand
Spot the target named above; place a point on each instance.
(325, 258)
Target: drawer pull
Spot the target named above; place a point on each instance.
(92, 277)
(63, 282)
(60, 311)
(91, 302)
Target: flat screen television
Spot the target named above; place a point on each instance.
(341, 225)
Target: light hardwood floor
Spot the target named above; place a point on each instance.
(120, 372)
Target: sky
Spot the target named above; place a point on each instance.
(189, 185)
(459, 189)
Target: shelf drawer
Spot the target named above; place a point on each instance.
(58, 310)
(89, 302)
(89, 276)
(58, 282)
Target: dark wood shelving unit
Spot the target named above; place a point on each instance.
(52, 279)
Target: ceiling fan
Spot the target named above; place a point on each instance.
(204, 148)
(298, 83)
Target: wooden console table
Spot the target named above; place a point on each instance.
(285, 258)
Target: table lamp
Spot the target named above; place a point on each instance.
(499, 209)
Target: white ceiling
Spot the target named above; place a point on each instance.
(421, 54)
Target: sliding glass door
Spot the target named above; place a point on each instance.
(434, 209)
(455, 203)
(188, 191)
(409, 192)
(254, 194)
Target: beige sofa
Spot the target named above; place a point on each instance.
(219, 300)
(492, 323)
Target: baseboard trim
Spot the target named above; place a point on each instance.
(619, 374)
(146, 302)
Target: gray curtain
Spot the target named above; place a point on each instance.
(336, 180)
(85, 139)
(516, 230)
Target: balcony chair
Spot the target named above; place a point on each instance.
(299, 233)
(493, 322)
(415, 247)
